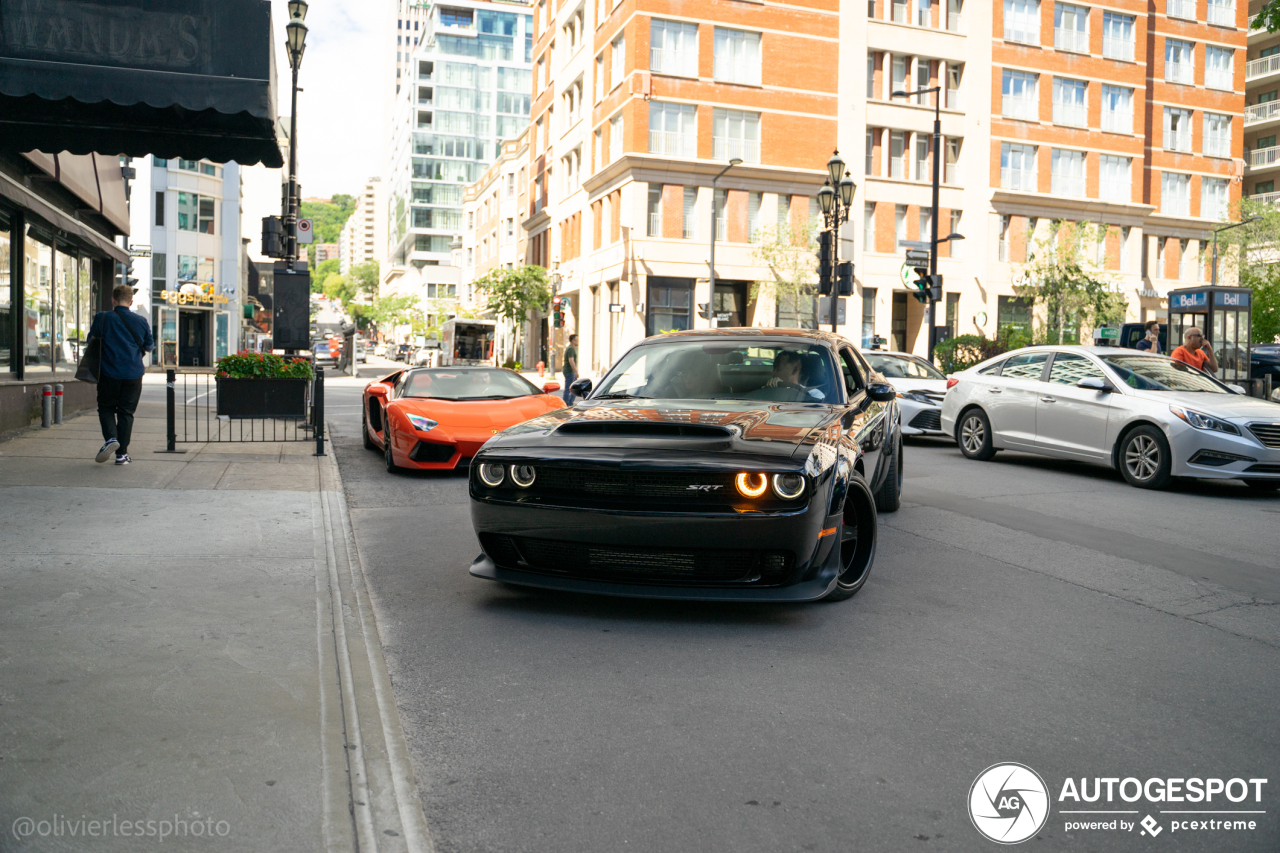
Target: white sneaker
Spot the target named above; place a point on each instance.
(123, 460)
(108, 450)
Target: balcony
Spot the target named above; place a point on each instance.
(1262, 158)
(1255, 69)
(1015, 107)
(955, 22)
(1182, 9)
(1215, 78)
(1267, 198)
(1222, 14)
(1073, 40)
(1071, 185)
(1179, 72)
(672, 142)
(1117, 122)
(1177, 140)
(655, 224)
(1117, 48)
(1256, 114)
(1070, 115)
(747, 150)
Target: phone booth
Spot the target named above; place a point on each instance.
(1224, 315)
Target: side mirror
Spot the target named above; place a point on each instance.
(580, 387)
(1094, 383)
(378, 389)
(550, 387)
(881, 392)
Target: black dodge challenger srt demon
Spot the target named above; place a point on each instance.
(723, 465)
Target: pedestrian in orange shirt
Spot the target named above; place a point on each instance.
(1196, 351)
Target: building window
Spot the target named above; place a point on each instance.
(954, 71)
(922, 158)
(956, 247)
(869, 226)
(1117, 109)
(754, 200)
(617, 61)
(1067, 172)
(868, 317)
(1177, 129)
(1213, 198)
(1068, 102)
(871, 75)
(1217, 67)
(1217, 135)
(1019, 95)
(898, 72)
(1002, 245)
(615, 137)
(923, 69)
(955, 15)
(1115, 178)
(735, 133)
(870, 164)
(1185, 9)
(1018, 167)
(511, 229)
(1071, 28)
(668, 306)
(690, 203)
(207, 218)
(899, 224)
(1179, 61)
(1013, 316)
(897, 150)
(899, 11)
(923, 13)
(721, 201)
(655, 210)
(951, 164)
(511, 185)
(673, 48)
(925, 223)
(737, 57)
(1125, 231)
(1117, 36)
(1022, 21)
(160, 209)
(188, 212)
(796, 311)
(673, 129)
(784, 213)
(1222, 13)
(1175, 194)
(1184, 260)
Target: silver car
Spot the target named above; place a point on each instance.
(1151, 417)
(920, 387)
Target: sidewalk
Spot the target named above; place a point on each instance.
(169, 652)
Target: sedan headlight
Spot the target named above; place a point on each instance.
(788, 486)
(917, 397)
(422, 424)
(492, 475)
(1200, 420)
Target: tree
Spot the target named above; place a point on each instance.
(321, 273)
(791, 257)
(512, 294)
(1247, 256)
(1269, 17)
(366, 278)
(393, 310)
(1076, 293)
(327, 219)
(340, 289)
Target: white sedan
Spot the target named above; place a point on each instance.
(920, 387)
(1151, 417)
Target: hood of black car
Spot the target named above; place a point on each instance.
(736, 426)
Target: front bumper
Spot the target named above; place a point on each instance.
(920, 418)
(1256, 461)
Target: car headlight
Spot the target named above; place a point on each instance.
(422, 424)
(916, 396)
(788, 486)
(523, 475)
(751, 485)
(1200, 420)
(492, 475)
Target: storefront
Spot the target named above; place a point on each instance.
(192, 326)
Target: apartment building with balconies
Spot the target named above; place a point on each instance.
(1128, 116)
(635, 112)
(1262, 113)
(364, 236)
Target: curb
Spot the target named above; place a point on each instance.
(370, 795)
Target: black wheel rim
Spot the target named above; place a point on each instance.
(857, 535)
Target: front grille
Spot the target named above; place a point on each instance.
(1268, 434)
(616, 483)
(430, 451)
(638, 565)
(928, 419)
(1263, 468)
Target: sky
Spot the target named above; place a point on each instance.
(340, 121)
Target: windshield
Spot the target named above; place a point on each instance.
(1161, 374)
(445, 384)
(720, 370)
(898, 367)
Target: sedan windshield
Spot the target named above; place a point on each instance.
(446, 384)
(1147, 373)
(719, 370)
(899, 367)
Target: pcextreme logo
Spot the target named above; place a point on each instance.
(1008, 803)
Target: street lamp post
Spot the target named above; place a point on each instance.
(296, 43)
(1214, 282)
(736, 161)
(835, 207)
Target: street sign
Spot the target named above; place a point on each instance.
(616, 308)
(305, 232)
(1111, 333)
(917, 257)
(907, 274)
(924, 245)
(139, 251)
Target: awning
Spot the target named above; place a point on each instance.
(192, 79)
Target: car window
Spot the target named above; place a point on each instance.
(993, 369)
(903, 367)
(853, 376)
(1156, 373)
(1029, 365)
(1068, 368)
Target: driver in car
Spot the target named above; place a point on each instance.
(787, 369)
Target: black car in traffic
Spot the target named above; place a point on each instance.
(730, 464)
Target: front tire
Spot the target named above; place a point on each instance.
(889, 495)
(364, 428)
(857, 543)
(1145, 458)
(388, 457)
(974, 435)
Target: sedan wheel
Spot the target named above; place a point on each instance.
(974, 435)
(857, 540)
(1145, 460)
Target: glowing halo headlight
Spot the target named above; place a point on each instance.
(492, 475)
(523, 475)
(751, 485)
(788, 486)
(422, 424)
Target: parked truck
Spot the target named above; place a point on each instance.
(468, 342)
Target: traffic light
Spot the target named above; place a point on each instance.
(557, 315)
(844, 278)
(921, 285)
(935, 287)
(824, 263)
(704, 310)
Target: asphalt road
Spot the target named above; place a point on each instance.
(1019, 610)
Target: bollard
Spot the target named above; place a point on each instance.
(57, 404)
(46, 407)
(170, 414)
(318, 410)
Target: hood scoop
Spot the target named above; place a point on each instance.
(650, 429)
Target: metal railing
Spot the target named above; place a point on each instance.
(1013, 106)
(1222, 14)
(655, 225)
(1216, 78)
(1177, 140)
(1117, 122)
(1117, 48)
(1065, 38)
(1267, 65)
(1260, 157)
(1182, 9)
(1266, 198)
(955, 22)
(1179, 72)
(195, 418)
(1257, 113)
(727, 148)
(671, 142)
(1073, 115)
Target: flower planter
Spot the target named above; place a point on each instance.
(262, 398)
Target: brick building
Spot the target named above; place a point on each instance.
(1262, 113)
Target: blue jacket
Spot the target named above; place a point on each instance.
(121, 358)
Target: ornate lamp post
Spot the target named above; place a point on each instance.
(296, 43)
(835, 205)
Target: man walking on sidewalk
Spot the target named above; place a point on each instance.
(125, 336)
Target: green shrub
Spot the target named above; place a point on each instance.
(964, 351)
(252, 365)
